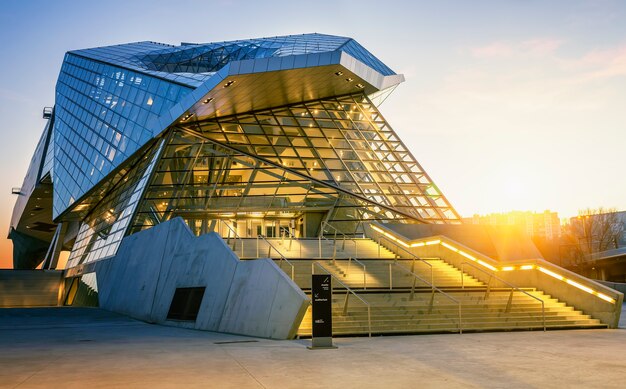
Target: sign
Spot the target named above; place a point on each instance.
(322, 317)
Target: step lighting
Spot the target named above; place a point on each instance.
(388, 235)
(493, 268)
(550, 273)
(427, 243)
(488, 266)
(579, 286)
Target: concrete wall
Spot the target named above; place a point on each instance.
(252, 298)
(30, 288)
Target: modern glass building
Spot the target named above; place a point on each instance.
(255, 140)
(267, 134)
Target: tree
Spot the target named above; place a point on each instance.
(592, 231)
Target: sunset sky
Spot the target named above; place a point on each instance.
(508, 105)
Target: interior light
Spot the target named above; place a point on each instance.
(229, 83)
(360, 86)
(186, 117)
(207, 101)
(339, 73)
(527, 267)
(508, 268)
(349, 79)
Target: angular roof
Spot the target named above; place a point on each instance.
(113, 100)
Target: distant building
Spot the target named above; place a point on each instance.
(601, 245)
(542, 225)
(605, 231)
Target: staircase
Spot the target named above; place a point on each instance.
(308, 248)
(397, 313)
(399, 294)
(29, 288)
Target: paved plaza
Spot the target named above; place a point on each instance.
(91, 348)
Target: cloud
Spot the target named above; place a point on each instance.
(606, 63)
(501, 49)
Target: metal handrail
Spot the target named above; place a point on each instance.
(291, 238)
(433, 290)
(231, 229)
(513, 287)
(364, 270)
(269, 252)
(345, 237)
(348, 292)
(413, 256)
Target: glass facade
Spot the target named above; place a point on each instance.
(343, 142)
(129, 152)
(207, 58)
(334, 159)
(104, 227)
(101, 117)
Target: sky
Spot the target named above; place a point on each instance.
(508, 105)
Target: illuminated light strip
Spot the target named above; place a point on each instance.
(388, 235)
(428, 243)
(551, 273)
(466, 255)
(485, 264)
(505, 268)
(577, 285)
(580, 286)
(605, 297)
(444, 244)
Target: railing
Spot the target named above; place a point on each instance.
(291, 238)
(348, 292)
(350, 260)
(344, 237)
(513, 288)
(271, 247)
(235, 236)
(411, 255)
(434, 290)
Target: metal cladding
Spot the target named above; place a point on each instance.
(267, 133)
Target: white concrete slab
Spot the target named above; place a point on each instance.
(67, 348)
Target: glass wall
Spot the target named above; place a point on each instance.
(102, 113)
(105, 226)
(290, 168)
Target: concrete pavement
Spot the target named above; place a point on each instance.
(91, 348)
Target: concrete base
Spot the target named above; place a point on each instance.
(321, 344)
(253, 298)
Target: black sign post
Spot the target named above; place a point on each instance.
(322, 294)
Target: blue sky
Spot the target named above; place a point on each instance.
(507, 104)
